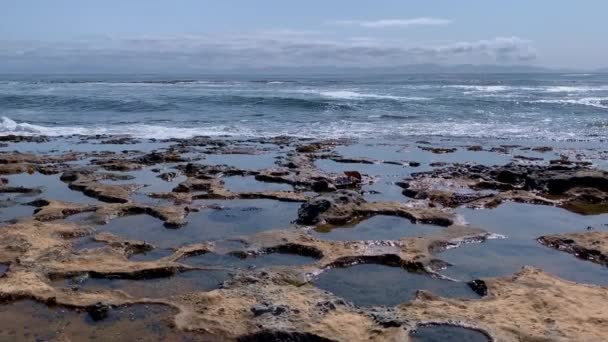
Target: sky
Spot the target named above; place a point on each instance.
(191, 35)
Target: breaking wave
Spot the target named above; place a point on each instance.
(597, 102)
(334, 129)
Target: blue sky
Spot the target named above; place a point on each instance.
(202, 35)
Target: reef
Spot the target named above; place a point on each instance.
(55, 251)
(577, 188)
(591, 245)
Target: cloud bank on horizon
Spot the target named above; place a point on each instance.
(259, 49)
(208, 35)
(384, 23)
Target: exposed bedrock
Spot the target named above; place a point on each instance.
(591, 245)
(344, 206)
(575, 188)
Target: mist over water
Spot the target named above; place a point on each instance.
(541, 106)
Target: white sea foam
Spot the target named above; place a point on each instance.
(482, 88)
(8, 126)
(575, 89)
(333, 129)
(577, 75)
(597, 102)
(353, 95)
(471, 89)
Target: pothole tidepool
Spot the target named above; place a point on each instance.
(522, 224)
(26, 320)
(444, 332)
(379, 227)
(375, 285)
(183, 282)
(250, 184)
(249, 262)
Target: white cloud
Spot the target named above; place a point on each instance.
(384, 23)
(252, 50)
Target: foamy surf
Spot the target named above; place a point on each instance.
(353, 95)
(336, 129)
(597, 102)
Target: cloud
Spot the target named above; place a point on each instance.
(252, 50)
(384, 23)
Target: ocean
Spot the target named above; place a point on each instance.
(528, 106)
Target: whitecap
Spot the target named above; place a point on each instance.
(597, 102)
(482, 88)
(575, 89)
(352, 95)
(317, 129)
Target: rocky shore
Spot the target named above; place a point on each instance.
(209, 206)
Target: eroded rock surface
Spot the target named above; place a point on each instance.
(592, 245)
(575, 188)
(47, 256)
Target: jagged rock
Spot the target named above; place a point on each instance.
(591, 245)
(98, 311)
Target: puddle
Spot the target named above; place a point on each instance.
(411, 152)
(3, 269)
(380, 227)
(185, 282)
(11, 210)
(148, 179)
(250, 184)
(155, 254)
(27, 320)
(374, 285)
(384, 188)
(369, 169)
(522, 224)
(251, 262)
(497, 258)
(444, 332)
(239, 217)
(86, 242)
(242, 161)
(143, 228)
(52, 188)
(227, 246)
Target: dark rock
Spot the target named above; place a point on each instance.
(168, 176)
(282, 336)
(438, 150)
(98, 311)
(323, 185)
(275, 310)
(353, 174)
(479, 286)
(330, 207)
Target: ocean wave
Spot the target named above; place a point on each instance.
(353, 95)
(87, 81)
(9, 126)
(575, 89)
(597, 102)
(470, 89)
(161, 104)
(392, 116)
(53, 102)
(332, 129)
(482, 88)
